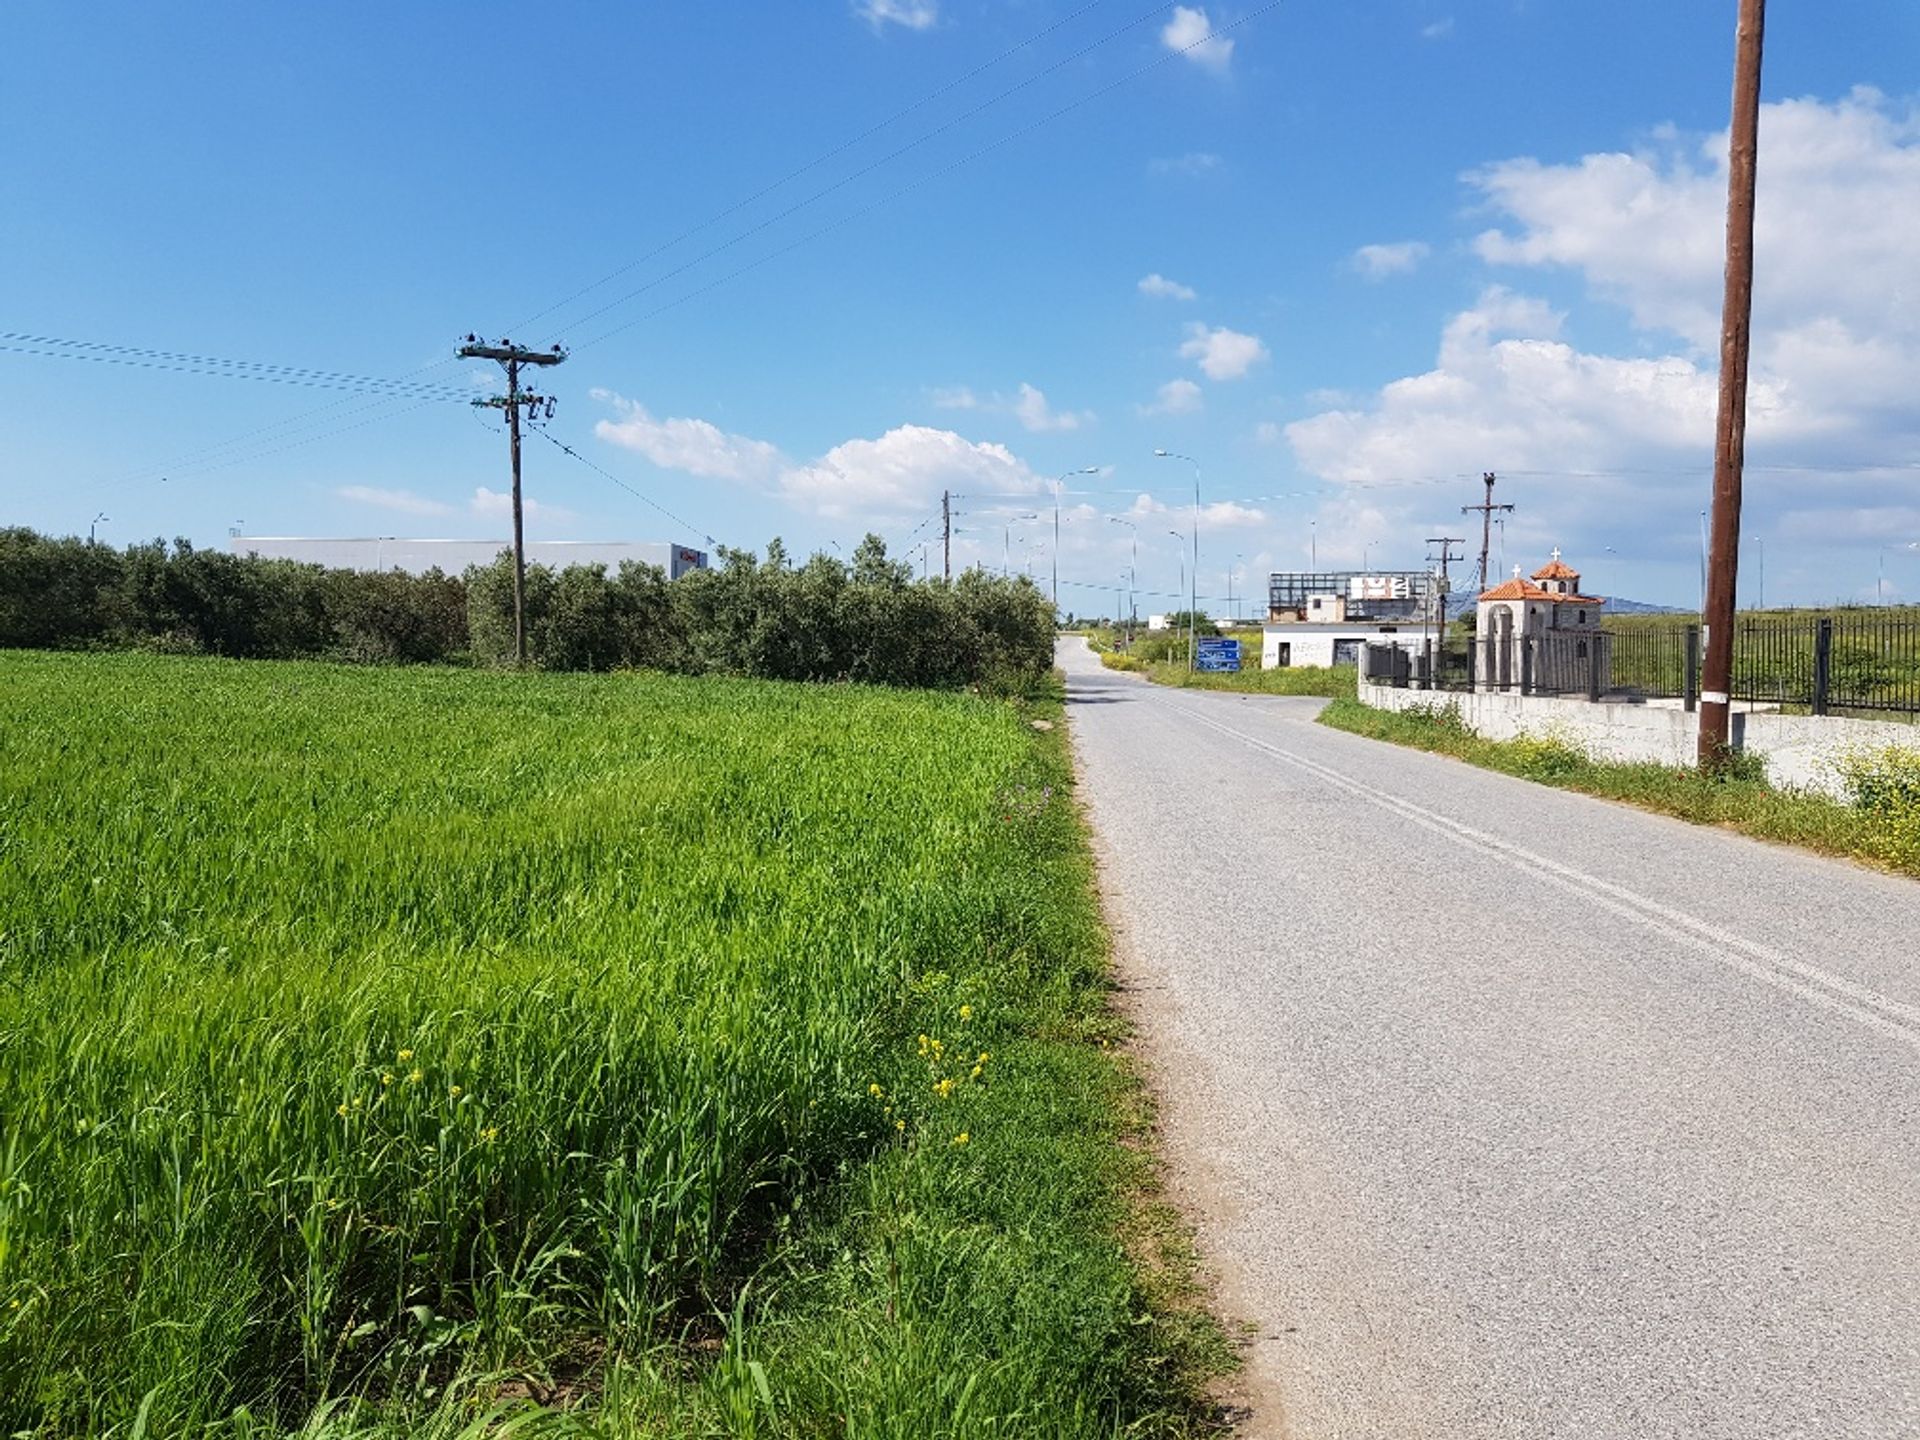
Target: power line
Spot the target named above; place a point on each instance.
(929, 178)
(865, 170)
(812, 164)
(643, 499)
(56, 348)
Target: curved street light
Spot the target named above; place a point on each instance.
(1193, 574)
(1083, 470)
(1133, 563)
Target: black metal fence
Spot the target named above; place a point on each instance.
(1849, 663)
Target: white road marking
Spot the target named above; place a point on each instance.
(1835, 993)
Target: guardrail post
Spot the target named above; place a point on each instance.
(1690, 682)
(1822, 663)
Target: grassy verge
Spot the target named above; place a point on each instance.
(1333, 682)
(413, 1052)
(1884, 830)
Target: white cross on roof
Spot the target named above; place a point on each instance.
(1556, 552)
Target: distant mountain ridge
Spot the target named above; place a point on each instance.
(1462, 601)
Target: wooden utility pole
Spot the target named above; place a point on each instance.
(1485, 510)
(513, 357)
(946, 535)
(1730, 431)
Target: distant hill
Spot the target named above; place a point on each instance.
(1460, 602)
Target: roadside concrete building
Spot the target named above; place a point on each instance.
(1329, 617)
(452, 557)
(1541, 633)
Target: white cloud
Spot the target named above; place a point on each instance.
(1161, 288)
(1267, 433)
(1190, 33)
(911, 14)
(496, 504)
(405, 501)
(1030, 408)
(902, 473)
(1194, 162)
(955, 397)
(1625, 440)
(1438, 30)
(1221, 353)
(1376, 262)
(1219, 515)
(1176, 397)
(695, 446)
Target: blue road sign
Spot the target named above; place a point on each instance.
(1217, 655)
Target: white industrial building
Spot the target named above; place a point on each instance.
(453, 557)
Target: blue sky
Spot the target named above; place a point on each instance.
(1396, 244)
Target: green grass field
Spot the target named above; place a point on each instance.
(401, 1051)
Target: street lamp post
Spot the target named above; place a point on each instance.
(1193, 573)
(1083, 470)
(95, 521)
(1182, 555)
(1133, 564)
(1006, 540)
(1760, 571)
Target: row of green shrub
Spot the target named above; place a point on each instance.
(824, 620)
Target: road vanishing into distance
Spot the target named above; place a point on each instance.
(1510, 1112)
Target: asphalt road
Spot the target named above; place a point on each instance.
(1509, 1112)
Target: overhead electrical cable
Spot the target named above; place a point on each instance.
(811, 165)
(643, 498)
(149, 359)
(883, 160)
(929, 178)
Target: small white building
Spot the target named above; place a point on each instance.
(1312, 642)
(1541, 633)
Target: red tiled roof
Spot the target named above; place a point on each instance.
(1518, 589)
(1556, 569)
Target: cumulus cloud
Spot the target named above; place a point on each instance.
(1376, 262)
(910, 14)
(1221, 353)
(1220, 515)
(1161, 288)
(405, 501)
(1190, 33)
(902, 473)
(698, 447)
(1832, 429)
(1194, 162)
(1031, 409)
(1176, 397)
(498, 504)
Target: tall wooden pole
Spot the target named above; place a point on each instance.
(513, 357)
(1730, 431)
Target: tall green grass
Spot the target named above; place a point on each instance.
(378, 1046)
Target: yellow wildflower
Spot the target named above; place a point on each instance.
(341, 1109)
(490, 1134)
(943, 1088)
(962, 1138)
(453, 1092)
(415, 1076)
(875, 1090)
(405, 1055)
(976, 1073)
(966, 1012)
(899, 1124)
(984, 1057)
(386, 1078)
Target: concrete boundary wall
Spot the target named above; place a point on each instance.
(1800, 750)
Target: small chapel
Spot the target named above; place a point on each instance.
(1541, 634)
